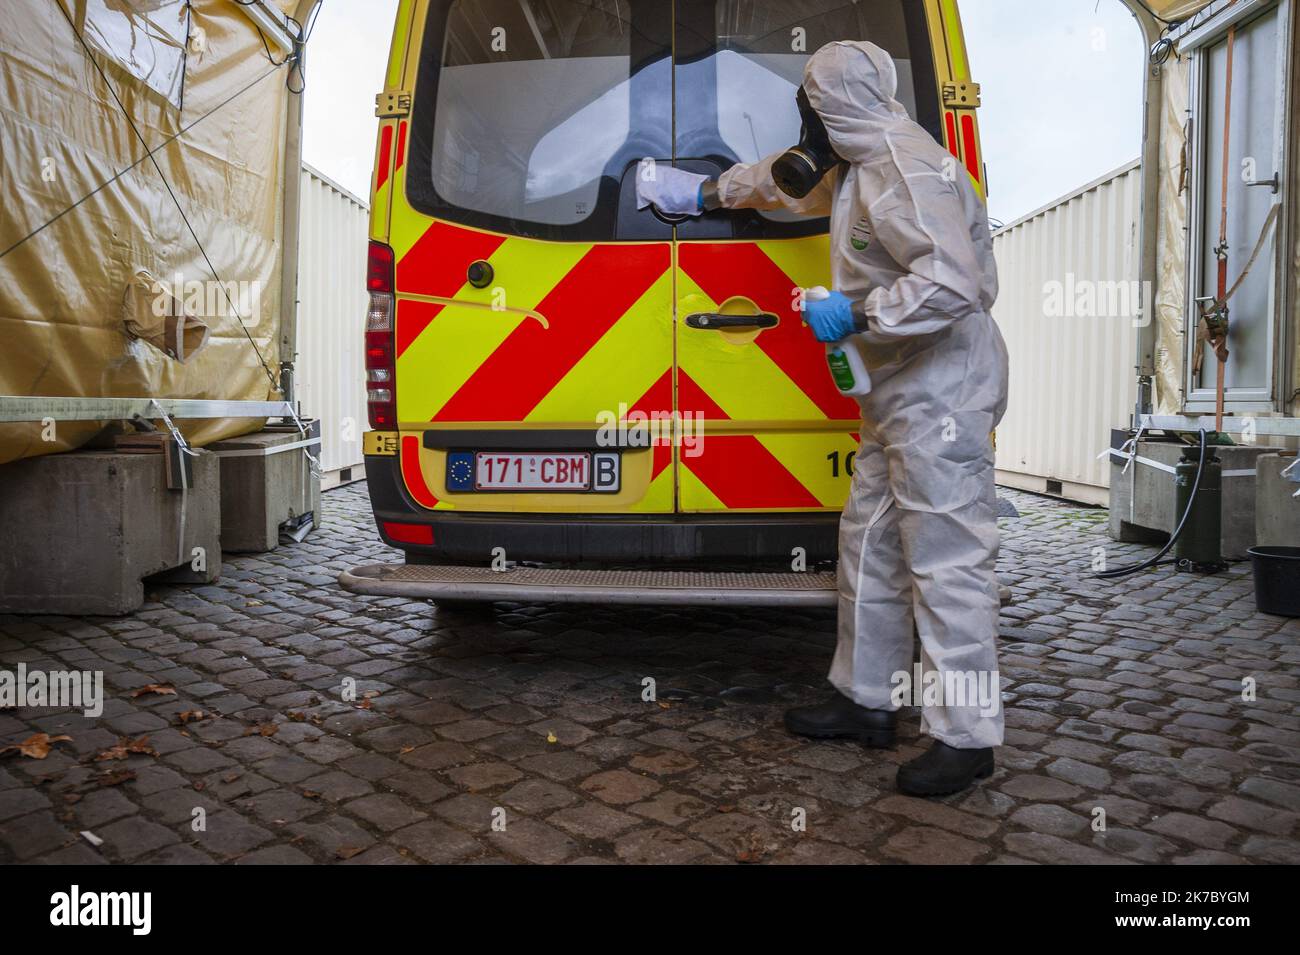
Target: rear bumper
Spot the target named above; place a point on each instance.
(472, 537)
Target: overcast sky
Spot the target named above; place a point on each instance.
(1061, 86)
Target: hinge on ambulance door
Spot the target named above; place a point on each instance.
(962, 95)
(393, 103)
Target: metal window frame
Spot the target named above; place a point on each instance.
(1199, 36)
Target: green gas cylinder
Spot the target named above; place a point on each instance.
(1199, 544)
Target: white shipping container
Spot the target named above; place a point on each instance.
(1068, 308)
(332, 301)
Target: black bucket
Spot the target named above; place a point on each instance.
(1277, 580)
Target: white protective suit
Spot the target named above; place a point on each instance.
(918, 538)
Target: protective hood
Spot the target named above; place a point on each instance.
(852, 85)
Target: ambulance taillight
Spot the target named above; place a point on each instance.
(381, 394)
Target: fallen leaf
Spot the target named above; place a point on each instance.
(126, 747)
(115, 778)
(665, 706)
(268, 729)
(726, 807)
(35, 747)
(192, 716)
(158, 688)
(347, 852)
(753, 850)
(363, 705)
(232, 777)
(370, 694)
(296, 717)
(406, 749)
(310, 794)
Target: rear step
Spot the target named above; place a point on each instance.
(557, 585)
(560, 585)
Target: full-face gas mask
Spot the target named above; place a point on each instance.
(798, 170)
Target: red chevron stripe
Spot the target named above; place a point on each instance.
(950, 119)
(739, 471)
(413, 474)
(385, 148)
(595, 294)
(412, 319)
(968, 144)
(741, 268)
(437, 263)
(659, 398)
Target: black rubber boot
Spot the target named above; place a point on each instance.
(841, 718)
(943, 770)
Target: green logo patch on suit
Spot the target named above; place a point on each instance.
(860, 237)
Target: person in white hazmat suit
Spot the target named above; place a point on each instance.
(914, 279)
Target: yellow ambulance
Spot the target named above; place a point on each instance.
(557, 376)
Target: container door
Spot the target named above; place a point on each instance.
(777, 434)
(1255, 147)
(533, 300)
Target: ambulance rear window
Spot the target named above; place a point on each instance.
(529, 114)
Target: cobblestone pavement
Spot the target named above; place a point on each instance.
(1125, 697)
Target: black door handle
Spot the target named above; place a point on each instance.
(718, 322)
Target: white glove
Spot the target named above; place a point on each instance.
(672, 190)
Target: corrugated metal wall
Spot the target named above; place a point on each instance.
(332, 304)
(1072, 376)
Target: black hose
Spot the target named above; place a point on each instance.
(1173, 538)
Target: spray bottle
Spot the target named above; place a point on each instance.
(848, 370)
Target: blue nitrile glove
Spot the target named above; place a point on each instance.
(831, 319)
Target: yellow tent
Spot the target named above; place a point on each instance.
(1176, 9)
(104, 291)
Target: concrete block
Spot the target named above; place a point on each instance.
(80, 531)
(265, 481)
(1277, 513)
(1142, 501)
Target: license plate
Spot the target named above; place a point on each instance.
(570, 471)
